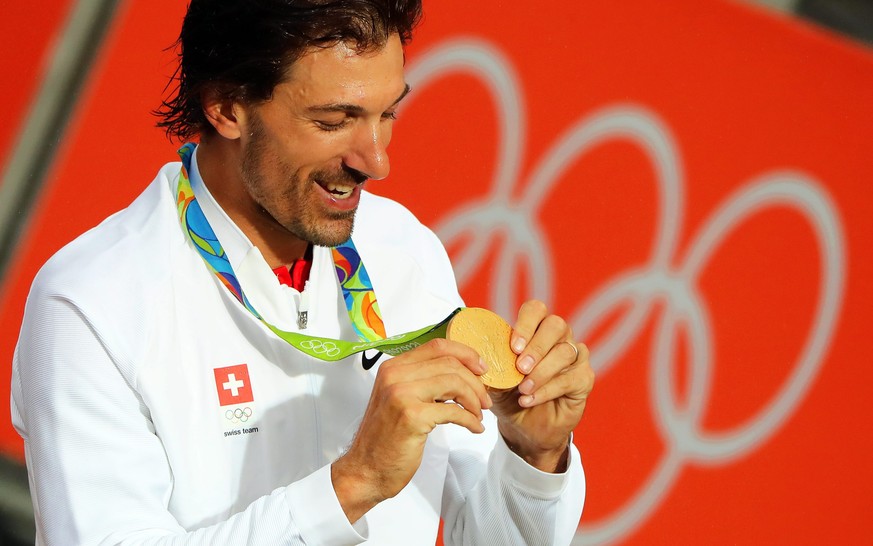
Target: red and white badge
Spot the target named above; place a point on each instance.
(233, 385)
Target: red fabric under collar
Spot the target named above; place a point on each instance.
(294, 275)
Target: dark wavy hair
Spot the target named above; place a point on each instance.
(241, 49)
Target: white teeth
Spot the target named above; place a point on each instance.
(340, 192)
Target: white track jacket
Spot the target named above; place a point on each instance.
(156, 410)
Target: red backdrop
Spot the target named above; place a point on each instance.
(683, 180)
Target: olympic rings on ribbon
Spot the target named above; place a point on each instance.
(319, 347)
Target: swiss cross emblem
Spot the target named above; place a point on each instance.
(233, 385)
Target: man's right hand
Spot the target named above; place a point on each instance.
(431, 385)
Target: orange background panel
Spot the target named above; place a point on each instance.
(27, 41)
(736, 95)
(107, 158)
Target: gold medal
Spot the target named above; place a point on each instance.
(488, 334)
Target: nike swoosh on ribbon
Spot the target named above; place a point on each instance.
(368, 362)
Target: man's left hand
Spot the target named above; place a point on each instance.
(536, 418)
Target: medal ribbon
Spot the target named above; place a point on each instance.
(357, 288)
(358, 292)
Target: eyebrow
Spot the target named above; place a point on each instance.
(353, 108)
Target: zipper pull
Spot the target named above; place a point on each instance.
(303, 308)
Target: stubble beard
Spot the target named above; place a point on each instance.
(308, 222)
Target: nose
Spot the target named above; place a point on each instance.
(368, 153)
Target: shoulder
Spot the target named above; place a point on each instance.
(391, 225)
(407, 263)
(386, 224)
(110, 273)
(127, 239)
(387, 220)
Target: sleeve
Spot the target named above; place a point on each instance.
(507, 501)
(98, 471)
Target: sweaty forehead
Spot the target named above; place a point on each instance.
(343, 70)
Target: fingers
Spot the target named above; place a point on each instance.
(441, 414)
(421, 404)
(440, 357)
(535, 334)
(438, 389)
(553, 378)
(437, 348)
(437, 372)
(546, 355)
(530, 315)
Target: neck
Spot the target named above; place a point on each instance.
(219, 160)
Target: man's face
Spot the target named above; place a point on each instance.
(308, 151)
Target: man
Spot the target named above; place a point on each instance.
(158, 403)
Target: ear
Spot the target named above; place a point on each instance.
(222, 113)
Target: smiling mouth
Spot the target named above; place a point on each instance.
(337, 190)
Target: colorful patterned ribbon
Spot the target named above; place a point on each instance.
(357, 288)
(358, 292)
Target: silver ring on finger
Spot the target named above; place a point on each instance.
(575, 349)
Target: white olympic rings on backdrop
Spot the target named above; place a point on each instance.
(675, 286)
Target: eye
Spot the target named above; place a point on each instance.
(389, 115)
(331, 125)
